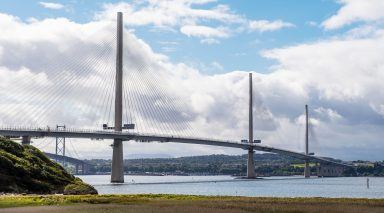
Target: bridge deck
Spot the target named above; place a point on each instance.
(139, 137)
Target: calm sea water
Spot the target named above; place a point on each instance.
(353, 187)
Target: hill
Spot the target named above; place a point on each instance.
(266, 164)
(25, 169)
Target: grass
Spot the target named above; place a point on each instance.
(303, 165)
(184, 203)
(25, 169)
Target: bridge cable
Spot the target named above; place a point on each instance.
(71, 78)
(39, 90)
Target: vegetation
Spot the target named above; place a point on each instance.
(377, 169)
(266, 165)
(25, 169)
(79, 188)
(187, 203)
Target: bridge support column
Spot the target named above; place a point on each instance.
(26, 140)
(250, 162)
(77, 169)
(117, 175)
(250, 165)
(307, 170)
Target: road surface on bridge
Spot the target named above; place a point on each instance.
(146, 138)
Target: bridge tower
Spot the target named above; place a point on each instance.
(307, 169)
(60, 145)
(250, 162)
(117, 175)
(26, 140)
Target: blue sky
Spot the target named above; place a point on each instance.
(237, 52)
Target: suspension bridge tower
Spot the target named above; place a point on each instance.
(250, 162)
(60, 145)
(117, 174)
(307, 169)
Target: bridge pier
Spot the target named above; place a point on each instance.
(307, 169)
(76, 169)
(84, 169)
(250, 162)
(329, 171)
(26, 140)
(250, 165)
(117, 174)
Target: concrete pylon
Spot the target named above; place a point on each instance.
(250, 165)
(117, 174)
(250, 162)
(26, 140)
(307, 169)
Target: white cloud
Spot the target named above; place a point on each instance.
(202, 103)
(265, 25)
(355, 11)
(328, 114)
(204, 31)
(51, 5)
(340, 78)
(36, 50)
(167, 12)
(168, 49)
(335, 68)
(193, 18)
(312, 23)
(217, 66)
(209, 41)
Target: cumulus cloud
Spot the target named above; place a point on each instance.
(265, 25)
(209, 41)
(54, 68)
(355, 11)
(329, 114)
(203, 31)
(168, 12)
(51, 5)
(192, 18)
(340, 78)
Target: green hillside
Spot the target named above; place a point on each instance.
(25, 169)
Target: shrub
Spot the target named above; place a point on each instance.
(79, 188)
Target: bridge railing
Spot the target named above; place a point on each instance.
(111, 132)
(182, 137)
(11, 129)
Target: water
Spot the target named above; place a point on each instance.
(352, 187)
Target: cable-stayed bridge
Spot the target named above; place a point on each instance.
(134, 104)
(147, 138)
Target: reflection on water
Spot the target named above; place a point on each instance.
(226, 185)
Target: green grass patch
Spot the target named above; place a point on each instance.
(46, 200)
(302, 165)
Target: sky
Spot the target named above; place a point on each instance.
(325, 53)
